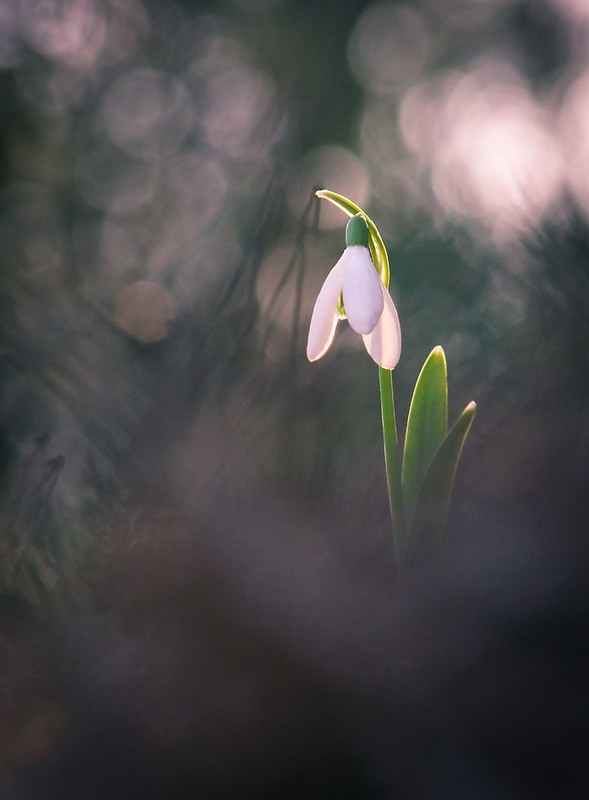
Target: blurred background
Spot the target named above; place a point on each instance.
(197, 592)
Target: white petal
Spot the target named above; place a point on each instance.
(384, 343)
(363, 301)
(324, 318)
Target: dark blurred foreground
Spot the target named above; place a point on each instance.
(241, 648)
(197, 593)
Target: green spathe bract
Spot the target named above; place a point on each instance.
(375, 243)
(420, 482)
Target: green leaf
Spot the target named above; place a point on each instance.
(431, 511)
(376, 244)
(427, 425)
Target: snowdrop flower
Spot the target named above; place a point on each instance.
(367, 304)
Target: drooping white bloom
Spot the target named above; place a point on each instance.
(368, 305)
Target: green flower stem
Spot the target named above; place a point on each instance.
(392, 463)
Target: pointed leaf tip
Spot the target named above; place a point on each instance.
(431, 510)
(427, 425)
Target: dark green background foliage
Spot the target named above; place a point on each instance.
(195, 558)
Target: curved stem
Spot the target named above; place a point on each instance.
(392, 463)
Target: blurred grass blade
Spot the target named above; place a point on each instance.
(376, 244)
(427, 425)
(429, 520)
